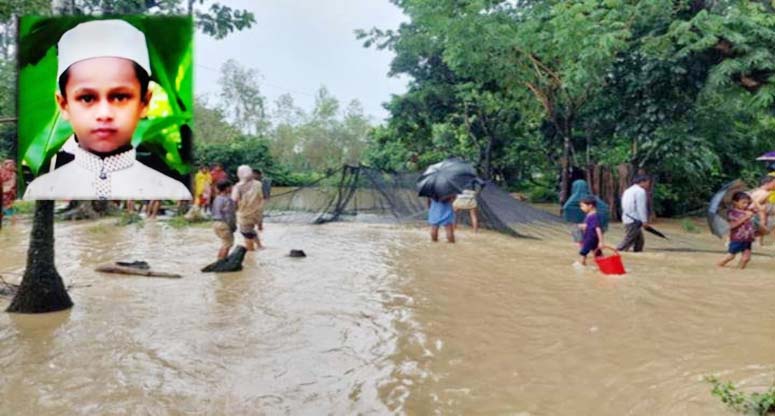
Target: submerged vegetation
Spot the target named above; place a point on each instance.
(127, 218)
(689, 226)
(761, 404)
(23, 207)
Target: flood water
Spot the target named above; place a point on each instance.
(377, 320)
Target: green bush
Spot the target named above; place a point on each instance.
(688, 225)
(761, 404)
(23, 207)
(541, 193)
(127, 218)
(254, 152)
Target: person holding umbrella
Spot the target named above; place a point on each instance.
(441, 214)
(635, 214)
(441, 183)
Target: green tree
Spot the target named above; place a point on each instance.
(555, 52)
(212, 18)
(285, 141)
(319, 142)
(445, 111)
(241, 98)
(354, 133)
(211, 125)
(528, 89)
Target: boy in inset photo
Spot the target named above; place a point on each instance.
(103, 75)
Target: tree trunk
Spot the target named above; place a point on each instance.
(633, 157)
(609, 192)
(565, 174)
(41, 289)
(488, 159)
(625, 173)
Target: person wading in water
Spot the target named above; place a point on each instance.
(635, 214)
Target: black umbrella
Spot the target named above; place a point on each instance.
(446, 178)
(717, 208)
(654, 231)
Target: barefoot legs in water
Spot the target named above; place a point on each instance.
(450, 230)
(725, 260)
(744, 259)
(253, 242)
(223, 252)
(473, 214)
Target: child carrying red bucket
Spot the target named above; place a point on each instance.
(593, 240)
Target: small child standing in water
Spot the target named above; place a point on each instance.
(223, 211)
(441, 213)
(593, 233)
(741, 230)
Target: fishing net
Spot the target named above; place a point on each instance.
(363, 194)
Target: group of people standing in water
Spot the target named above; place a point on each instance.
(749, 215)
(232, 206)
(591, 215)
(239, 207)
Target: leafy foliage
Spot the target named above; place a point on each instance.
(242, 99)
(761, 404)
(212, 18)
(527, 89)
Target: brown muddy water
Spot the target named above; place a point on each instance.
(377, 320)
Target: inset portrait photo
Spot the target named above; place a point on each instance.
(105, 107)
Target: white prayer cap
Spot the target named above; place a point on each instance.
(244, 173)
(102, 38)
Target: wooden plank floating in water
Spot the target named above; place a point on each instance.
(112, 268)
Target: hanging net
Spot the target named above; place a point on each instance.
(363, 194)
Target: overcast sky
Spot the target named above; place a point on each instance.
(300, 45)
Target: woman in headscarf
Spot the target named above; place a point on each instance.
(572, 212)
(8, 178)
(248, 196)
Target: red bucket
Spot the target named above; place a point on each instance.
(611, 264)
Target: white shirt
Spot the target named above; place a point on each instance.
(116, 177)
(634, 205)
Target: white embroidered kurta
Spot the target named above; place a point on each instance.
(116, 177)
